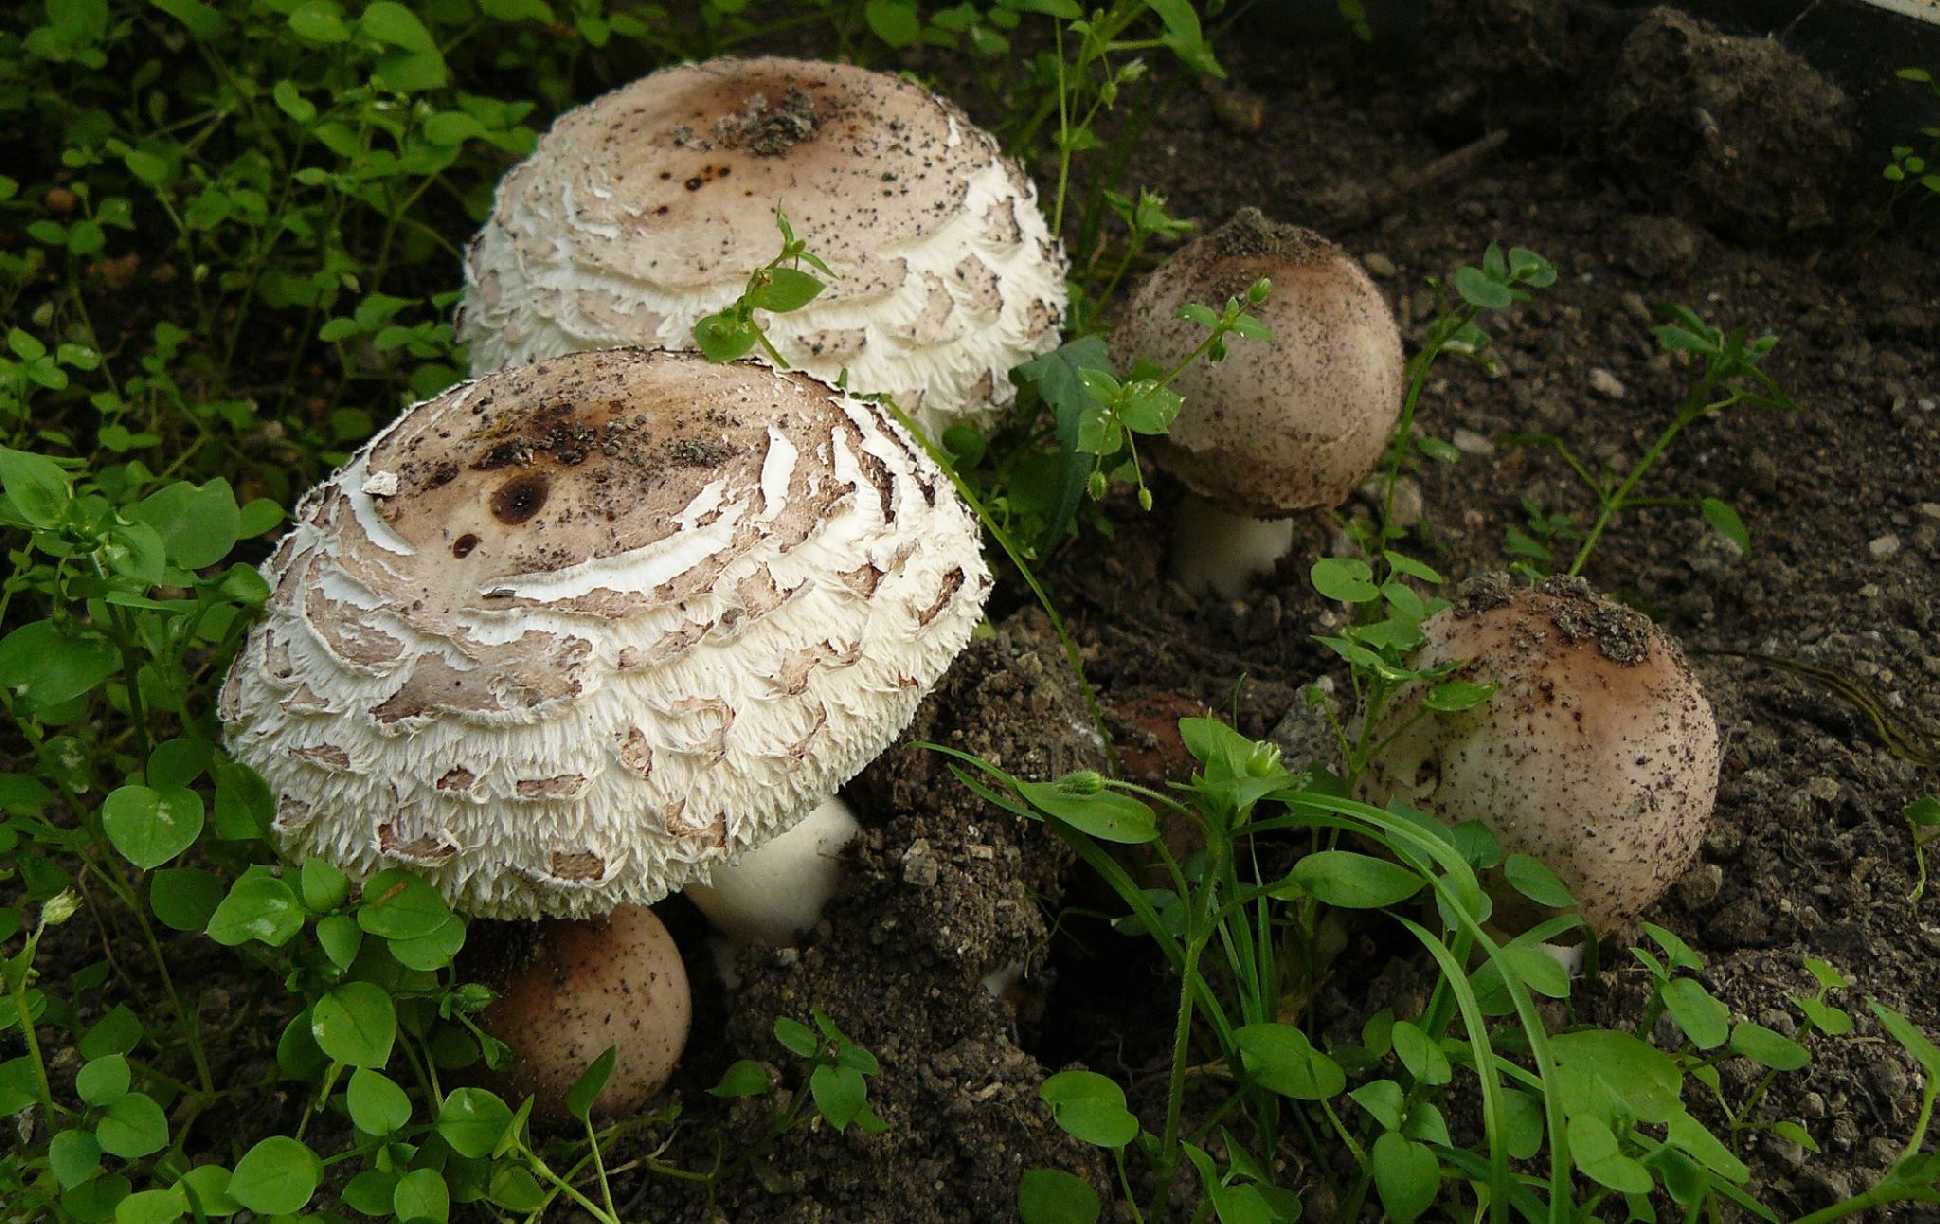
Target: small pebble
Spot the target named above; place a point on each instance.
(1378, 264)
(1471, 443)
(1701, 885)
(1882, 548)
(1930, 509)
(1606, 384)
(1633, 305)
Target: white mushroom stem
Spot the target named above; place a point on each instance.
(777, 890)
(1215, 549)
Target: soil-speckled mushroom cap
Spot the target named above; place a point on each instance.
(1279, 425)
(563, 637)
(645, 210)
(582, 985)
(1598, 753)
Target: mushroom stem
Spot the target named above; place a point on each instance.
(1218, 550)
(775, 891)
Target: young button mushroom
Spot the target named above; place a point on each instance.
(1278, 426)
(574, 634)
(581, 985)
(645, 210)
(1598, 753)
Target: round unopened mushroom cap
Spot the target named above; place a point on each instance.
(645, 210)
(1284, 424)
(583, 985)
(563, 637)
(1598, 753)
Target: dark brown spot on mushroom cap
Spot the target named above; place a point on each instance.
(521, 497)
(463, 545)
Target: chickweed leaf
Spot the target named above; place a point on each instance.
(1347, 579)
(1594, 1148)
(377, 1104)
(1052, 1196)
(840, 1094)
(132, 1126)
(356, 1024)
(259, 906)
(472, 1121)
(150, 827)
(399, 905)
(745, 1078)
(1917, 1043)
(1350, 880)
(1454, 696)
(724, 336)
(1407, 1176)
(1705, 1020)
(1533, 879)
(1283, 1060)
(1725, 521)
(1478, 289)
(1768, 1048)
(1090, 1107)
(787, 289)
(276, 1177)
(591, 1082)
(1107, 815)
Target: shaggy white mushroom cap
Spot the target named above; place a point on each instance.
(1279, 425)
(1598, 753)
(565, 636)
(645, 210)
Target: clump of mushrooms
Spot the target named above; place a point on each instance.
(1278, 426)
(1598, 753)
(576, 634)
(643, 212)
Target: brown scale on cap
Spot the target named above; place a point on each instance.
(1285, 424)
(1598, 753)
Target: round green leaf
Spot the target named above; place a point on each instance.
(399, 905)
(1347, 579)
(259, 906)
(1705, 1020)
(152, 1207)
(1090, 1107)
(1424, 1059)
(206, 1187)
(514, 1189)
(325, 886)
(1407, 1175)
(355, 1024)
(1052, 1196)
(1454, 696)
(131, 1127)
(421, 1195)
(1595, 1150)
(745, 1078)
(74, 1156)
(103, 1080)
(431, 952)
(198, 523)
(472, 1121)
(150, 827)
(377, 1105)
(276, 1177)
(372, 1192)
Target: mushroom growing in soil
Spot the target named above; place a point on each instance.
(645, 210)
(581, 985)
(1598, 753)
(1278, 426)
(576, 634)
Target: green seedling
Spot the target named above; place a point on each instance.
(1731, 374)
(1912, 170)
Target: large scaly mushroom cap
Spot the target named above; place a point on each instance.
(1284, 424)
(565, 636)
(645, 210)
(1598, 753)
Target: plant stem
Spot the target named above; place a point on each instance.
(27, 1026)
(1694, 407)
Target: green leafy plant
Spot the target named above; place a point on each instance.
(1910, 169)
(1731, 374)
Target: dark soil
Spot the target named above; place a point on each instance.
(1652, 162)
